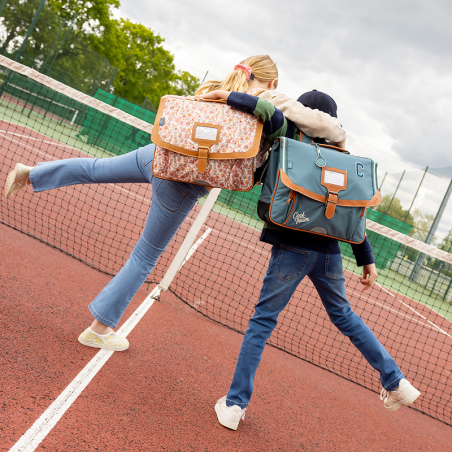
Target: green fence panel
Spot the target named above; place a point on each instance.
(387, 248)
(112, 135)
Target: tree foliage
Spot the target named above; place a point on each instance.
(421, 222)
(91, 16)
(16, 18)
(422, 225)
(145, 68)
(393, 208)
(446, 243)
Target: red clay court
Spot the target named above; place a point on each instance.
(159, 395)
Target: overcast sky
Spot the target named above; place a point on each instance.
(387, 64)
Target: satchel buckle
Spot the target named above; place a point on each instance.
(330, 204)
(203, 155)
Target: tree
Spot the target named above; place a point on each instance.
(395, 209)
(446, 243)
(145, 67)
(17, 16)
(91, 16)
(422, 225)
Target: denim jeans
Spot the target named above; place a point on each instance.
(287, 267)
(171, 203)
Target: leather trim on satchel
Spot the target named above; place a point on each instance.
(375, 201)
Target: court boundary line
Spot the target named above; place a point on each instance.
(31, 439)
(398, 312)
(419, 314)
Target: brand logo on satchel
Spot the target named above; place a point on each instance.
(300, 217)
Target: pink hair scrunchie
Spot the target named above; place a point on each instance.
(246, 69)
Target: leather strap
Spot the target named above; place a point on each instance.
(203, 154)
(330, 206)
(375, 201)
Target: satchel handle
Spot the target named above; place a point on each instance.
(344, 151)
(222, 101)
(219, 101)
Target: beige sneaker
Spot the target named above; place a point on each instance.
(229, 416)
(17, 179)
(404, 395)
(110, 341)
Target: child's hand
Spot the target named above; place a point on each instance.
(369, 276)
(214, 95)
(339, 145)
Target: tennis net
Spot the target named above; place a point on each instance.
(409, 309)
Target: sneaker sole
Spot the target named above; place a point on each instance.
(225, 422)
(105, 347)
(405, 402)
(9, 186)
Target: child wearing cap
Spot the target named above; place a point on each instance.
(295, 255)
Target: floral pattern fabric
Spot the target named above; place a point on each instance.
(238, 130)
(231, 174)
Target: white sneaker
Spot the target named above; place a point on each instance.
(404, 395)
(229, 416)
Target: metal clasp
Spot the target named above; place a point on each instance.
(320, 161)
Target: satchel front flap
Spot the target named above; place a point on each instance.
(352, 178)
(185, 125)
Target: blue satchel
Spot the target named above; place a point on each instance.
(315, 188)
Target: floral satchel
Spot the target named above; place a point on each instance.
(207, 143)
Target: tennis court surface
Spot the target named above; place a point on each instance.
(313, 392)
(159, 394)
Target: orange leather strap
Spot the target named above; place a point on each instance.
(375, 201)
(203, 154)
(331, 203)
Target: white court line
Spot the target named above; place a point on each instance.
(195, 246)
(55, 142)
(231, 238)
(32, 148)
(418, 313)
(359, 294)
(54, 158)
(31, 439)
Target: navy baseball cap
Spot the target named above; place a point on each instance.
(317, 100)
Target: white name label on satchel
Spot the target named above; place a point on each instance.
(206, 133)
(334, 178)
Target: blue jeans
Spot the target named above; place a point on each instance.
(171, 203)
(287, 267)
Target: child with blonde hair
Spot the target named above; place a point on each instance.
(171, 201)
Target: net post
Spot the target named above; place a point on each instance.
(189, 240)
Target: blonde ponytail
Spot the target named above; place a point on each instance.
(264, 70)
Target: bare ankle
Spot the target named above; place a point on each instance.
(100, 328)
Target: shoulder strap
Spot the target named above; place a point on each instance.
(258, 91)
